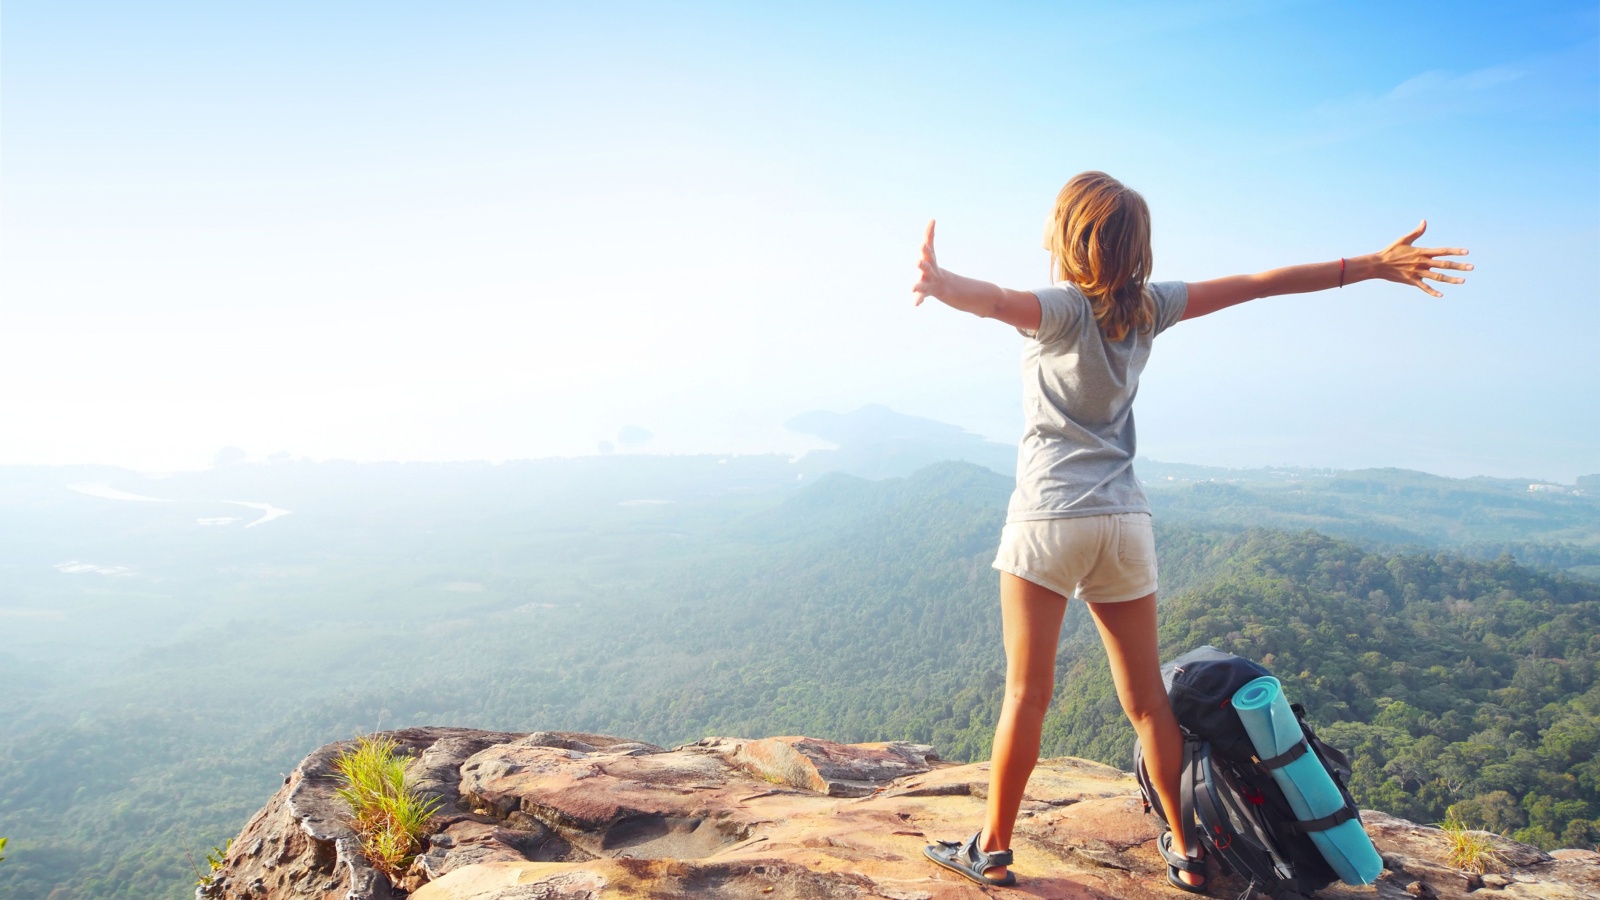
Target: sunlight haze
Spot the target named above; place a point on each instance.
(503, 231)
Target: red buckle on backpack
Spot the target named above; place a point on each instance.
(1254, 796)
(1227, 840)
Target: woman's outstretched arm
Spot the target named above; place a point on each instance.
(1019, 309)
(1399, 262)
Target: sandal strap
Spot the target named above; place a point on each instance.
(981, 860)
(1194, 865)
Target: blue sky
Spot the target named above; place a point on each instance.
(496, 230)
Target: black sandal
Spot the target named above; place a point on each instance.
(965, 857)
(1194, 865)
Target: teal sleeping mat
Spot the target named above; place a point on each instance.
(1311, 792)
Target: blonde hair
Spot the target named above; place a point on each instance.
(1099, 239)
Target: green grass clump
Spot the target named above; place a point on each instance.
(389, 815)
(1470, 851)
(215, 858)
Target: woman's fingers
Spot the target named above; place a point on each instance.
(927, 268)
(1421, 285)
(1403, 262)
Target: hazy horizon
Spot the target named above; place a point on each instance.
(501, 231)
(636, 442)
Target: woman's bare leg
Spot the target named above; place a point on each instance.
(1032, 621)
(1129, 632)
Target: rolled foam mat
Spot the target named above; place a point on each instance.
(1311, 792)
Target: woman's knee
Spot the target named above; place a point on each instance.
(1030, 697)
(1146, 710)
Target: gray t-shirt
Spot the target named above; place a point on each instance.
(1076, 456)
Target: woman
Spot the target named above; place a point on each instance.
(1078, 521)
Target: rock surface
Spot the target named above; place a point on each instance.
(1419, 854)
(567, 816)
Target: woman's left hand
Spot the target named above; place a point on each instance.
(1403, 263)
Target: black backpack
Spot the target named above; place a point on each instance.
(1243, 817)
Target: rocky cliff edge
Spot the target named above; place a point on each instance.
(568, 816)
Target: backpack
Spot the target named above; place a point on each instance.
(1244, 819)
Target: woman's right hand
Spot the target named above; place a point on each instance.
(1019, 309)
(1401, 262)
(930, 278)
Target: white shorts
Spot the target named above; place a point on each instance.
(1101, 559)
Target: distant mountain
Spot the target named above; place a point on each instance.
(877, 442)
(1558, 530)
(1396, 509)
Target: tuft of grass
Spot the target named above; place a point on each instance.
(388, 814)
(1470, 851)
(215, 857)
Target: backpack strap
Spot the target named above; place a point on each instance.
(1186, 793)
(1334, 757)
(1239, 849)
(1343, 815)
(1301, 748)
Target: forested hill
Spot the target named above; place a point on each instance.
(1459, 685)
(1393, 508)
(167, 687)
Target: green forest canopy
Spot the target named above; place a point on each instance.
(849, 609)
